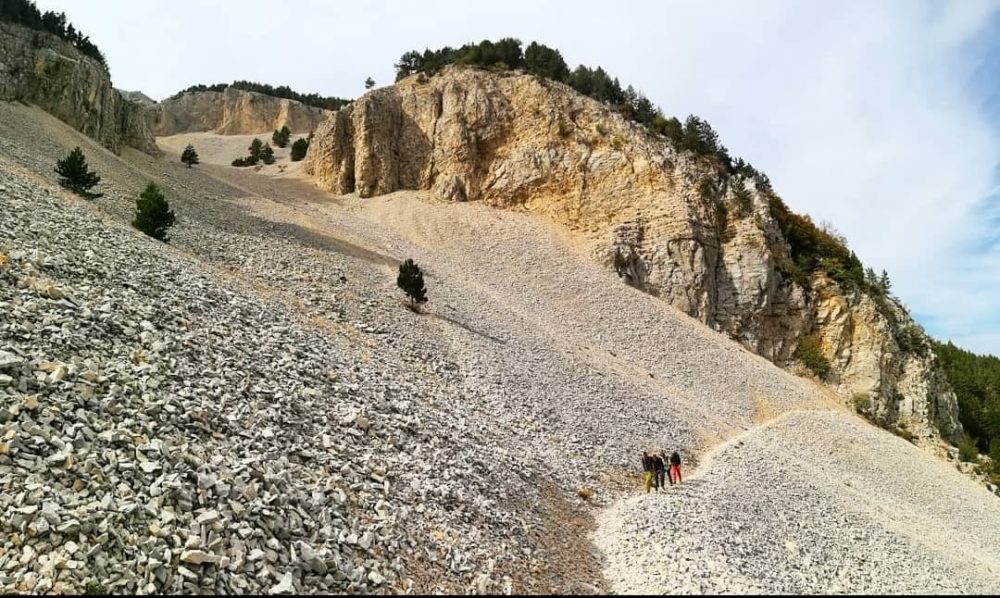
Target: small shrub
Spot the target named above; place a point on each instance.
(601, 129)
(586, 493)
(722, 230)
(811, 355)
(95, 588)
(995, 456)
(967, 449)
(411, 280)
(903, 433)
(862, 402)
(618, 142)
(564, 129)
(189, 156)
(76, 176)
(910, 339)
(299, 149)
(244, 162)
(153, 215)
(267, 154)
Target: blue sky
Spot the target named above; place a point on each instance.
(881, 117)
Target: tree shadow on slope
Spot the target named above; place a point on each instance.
(468, 328)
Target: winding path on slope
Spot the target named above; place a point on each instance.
(809, 502)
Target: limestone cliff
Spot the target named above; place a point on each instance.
(652, 213)
(41, 69)
(232, 112)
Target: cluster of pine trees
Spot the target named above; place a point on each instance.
(24, 12)
(976, 380)
(695, 134)
(812, 247)
(281, 91)
(259, 152)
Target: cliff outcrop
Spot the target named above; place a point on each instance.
(669, 222)
(41, 69)
(232, 112)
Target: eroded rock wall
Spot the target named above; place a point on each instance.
(232, 112)
(41, 69)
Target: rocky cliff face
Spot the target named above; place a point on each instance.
(650, 212)
(232, 112)
(137, 96)
(41, 69)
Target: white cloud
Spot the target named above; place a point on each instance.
(862, 113)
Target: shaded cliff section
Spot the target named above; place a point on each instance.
(669, 223)
(231, 112)
(41, 69)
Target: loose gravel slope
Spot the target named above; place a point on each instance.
(361, 447)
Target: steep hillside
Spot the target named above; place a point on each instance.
(250, 408)
(42, 69)
(669, 222)
(231, 112)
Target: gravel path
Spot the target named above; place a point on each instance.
(814, 502)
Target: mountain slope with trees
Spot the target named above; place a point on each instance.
(671, 212)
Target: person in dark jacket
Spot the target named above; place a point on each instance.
(647, 471)
(663, 457)
(675, 468)
(659, 468)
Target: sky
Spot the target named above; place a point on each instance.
(882, 118)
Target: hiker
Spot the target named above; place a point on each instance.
(663, 459)
(675, 468)
(659, 468)
(647, 471)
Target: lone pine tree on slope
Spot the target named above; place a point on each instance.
(189, 156)
(411, 280)
(75, 176)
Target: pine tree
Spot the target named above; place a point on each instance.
(75, 176)
(369, 83)
(299, 149)
(189, 156)
(255, 149)
(411, 280)
(267, 154)
(883, 283)
(280, 138)
(153, 215)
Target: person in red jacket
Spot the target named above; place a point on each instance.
(675, 468)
